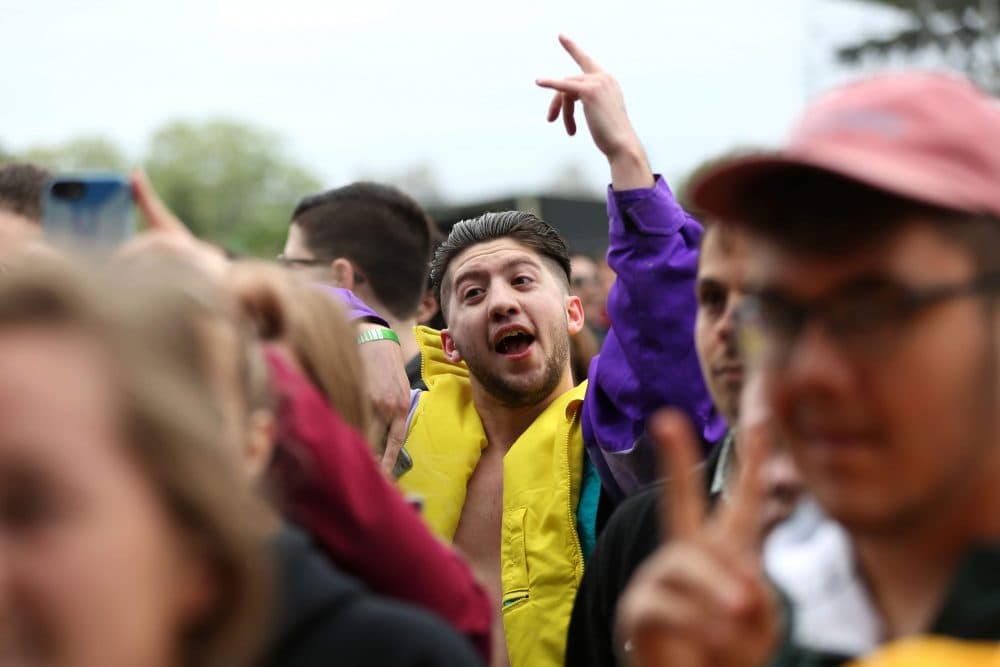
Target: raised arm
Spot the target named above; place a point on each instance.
(648, 359)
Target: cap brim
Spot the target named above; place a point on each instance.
(726, 190)
(722, 191)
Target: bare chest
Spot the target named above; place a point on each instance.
(479, 526)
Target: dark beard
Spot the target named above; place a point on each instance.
(512, 396)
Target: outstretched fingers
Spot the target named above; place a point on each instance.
(586, 63)
(739, 519)
(564, 101)
(156, 213)
(685, 490)
(574, 85)
(554, 107)
(568, 109)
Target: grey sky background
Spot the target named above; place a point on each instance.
(376, 86)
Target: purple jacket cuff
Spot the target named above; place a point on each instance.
(356, 308)
(646, 210)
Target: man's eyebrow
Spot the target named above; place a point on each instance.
(469, 274)
(478, 274)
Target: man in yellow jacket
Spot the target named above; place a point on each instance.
(498, 439)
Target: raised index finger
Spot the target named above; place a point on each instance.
(739, 520)
(684, 494)
(586, 63)
(156, 213)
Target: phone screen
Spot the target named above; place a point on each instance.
(92, 210)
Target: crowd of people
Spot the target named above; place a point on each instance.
(771, 438)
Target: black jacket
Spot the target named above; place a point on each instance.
(325, 617)
(970, 610)
(631, 535)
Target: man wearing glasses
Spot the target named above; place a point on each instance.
(372, 243)
(874, 320)
(372, 240)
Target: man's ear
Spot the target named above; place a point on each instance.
(574, 314)
(450, 350)
(343, 273)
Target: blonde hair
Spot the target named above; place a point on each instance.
(172, 430)
(315, 327)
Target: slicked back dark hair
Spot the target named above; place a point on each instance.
(21, 186)
(379, 228)
(525, 228)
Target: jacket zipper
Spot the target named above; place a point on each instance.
(569, 504)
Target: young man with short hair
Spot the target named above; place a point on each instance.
(875, 317)
(498, 438)
(634, 530)
(373, 240)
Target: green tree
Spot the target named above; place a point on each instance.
(962, 32)
(232, 183)
(86, 153)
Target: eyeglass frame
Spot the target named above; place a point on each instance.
(910, 302)
(287, 261)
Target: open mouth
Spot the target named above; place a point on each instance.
(514, 343)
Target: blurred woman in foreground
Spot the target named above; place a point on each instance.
(319, 611)
(128, 537)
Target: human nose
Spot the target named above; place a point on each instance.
(503, 302)
(726, 327)
(812, 360)
(782, 476)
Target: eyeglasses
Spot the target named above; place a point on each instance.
(863, 318)
(285, 260)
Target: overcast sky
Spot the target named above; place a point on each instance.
(374, 86)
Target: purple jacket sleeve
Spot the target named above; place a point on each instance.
(648, 359)
(356, 308)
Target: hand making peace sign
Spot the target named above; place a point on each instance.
(702, 599)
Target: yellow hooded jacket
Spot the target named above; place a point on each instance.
(541, 557)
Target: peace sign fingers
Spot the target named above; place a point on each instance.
(684, 499)
(738, 521)
(705, 569)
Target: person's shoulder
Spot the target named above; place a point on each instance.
(367, 629)
(642, 510)
(632, 531)
(641, 505)
(401, 634)
(324, 612)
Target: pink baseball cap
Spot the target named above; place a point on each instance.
(930, 137)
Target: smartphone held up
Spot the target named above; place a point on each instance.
(90, 211)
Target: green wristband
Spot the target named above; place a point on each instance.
(372, 335)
